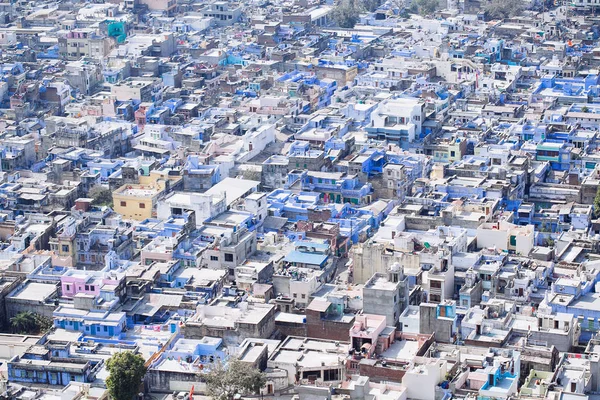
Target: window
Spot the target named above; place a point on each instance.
(123, 204)
(105, 328)
(65, 248)
(435, 298)
(87, 287)
(331, 375)
(92, 288)
(295, 295)
(452, 153)
(303, 295)
(435, 284)
(228, 257)
(67, 287)
(142, 205)
(214, 258)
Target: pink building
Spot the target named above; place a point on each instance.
(364, 334)
(87, 282)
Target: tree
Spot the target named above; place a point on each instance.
(224, 382)
(597, 203)
(427, 7)
(346, 13)
(126, 370)
(27, 322)
(371, 5)
(101, 196)
(500, 9)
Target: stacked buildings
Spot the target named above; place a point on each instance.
(404, 207)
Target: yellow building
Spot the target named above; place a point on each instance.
(156, 176)
(137, 201)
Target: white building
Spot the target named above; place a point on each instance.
(397, 120)
(423, 378)
(203, 205)
(506, 236)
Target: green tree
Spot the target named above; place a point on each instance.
(427, 7)
(126, 370)
(500, 9)
(346, 13)
(584, 109)
(101, 196)
(27, 322)
(597, 203)
(371, 5)
(223, 383)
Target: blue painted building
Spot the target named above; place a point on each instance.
(309, 254)
(334, 187)
(99, 323)
(577, 298)
(51, 364)
(284, 203)
(104, 167)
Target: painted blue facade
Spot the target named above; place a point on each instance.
(104, 167)
(52, 365)
(92, 323)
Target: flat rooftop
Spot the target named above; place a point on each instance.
(34, 291)
(402, 350)
(233, 188)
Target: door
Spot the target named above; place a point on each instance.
(76, 326)
(93, 329)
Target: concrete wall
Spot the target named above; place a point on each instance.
(378, 373)
(369, 259)
(383, 302)
(13, 307)
(291, 328)
(170, 381)
(429, 323)
(326, 329)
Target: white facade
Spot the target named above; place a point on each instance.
(204, 206)
(506, 236)
(403, 115)
(422, 380)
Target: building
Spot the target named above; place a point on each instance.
(138, 202)
(397, 121)
(386, 295)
